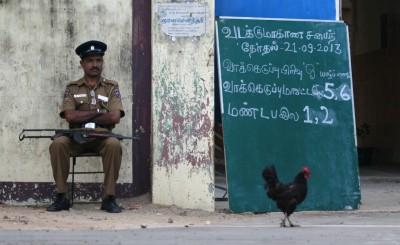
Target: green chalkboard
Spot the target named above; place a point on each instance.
(287, 99)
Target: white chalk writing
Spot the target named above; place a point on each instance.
(281, 65)
(340, 93)
(323, 116)
(267, 69)
(257, 32)
(282, 113)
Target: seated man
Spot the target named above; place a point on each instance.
(90, 102)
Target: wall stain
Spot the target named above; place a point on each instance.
(70, 25)
(185, 125)
(32, 193)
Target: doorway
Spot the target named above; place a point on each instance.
(375, 48)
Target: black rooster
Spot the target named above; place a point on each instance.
(286, 196)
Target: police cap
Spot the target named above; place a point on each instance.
(91, 47)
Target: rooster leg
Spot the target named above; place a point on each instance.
(283, 224)
(291, 224)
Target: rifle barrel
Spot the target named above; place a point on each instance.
(84, 132)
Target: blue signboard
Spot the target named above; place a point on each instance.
(291, 9)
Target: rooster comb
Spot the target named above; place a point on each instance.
(305, 169)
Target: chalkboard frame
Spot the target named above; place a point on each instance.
(246, 194)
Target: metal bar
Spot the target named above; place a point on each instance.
(73, 183)
(90, 172)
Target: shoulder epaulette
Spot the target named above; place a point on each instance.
(114, 83)
(77, 82)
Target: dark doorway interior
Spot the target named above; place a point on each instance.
(374, 28)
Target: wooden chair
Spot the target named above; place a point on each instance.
(88, 154)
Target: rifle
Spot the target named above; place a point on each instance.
(78, 135)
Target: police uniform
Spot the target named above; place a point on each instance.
(79, 96)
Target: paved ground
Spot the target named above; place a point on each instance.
(216, 235)
(376, 222)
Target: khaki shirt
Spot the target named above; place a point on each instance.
(79, 96)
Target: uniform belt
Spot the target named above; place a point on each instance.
(108, 127)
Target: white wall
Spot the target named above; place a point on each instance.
(183, 116)
(37, 59)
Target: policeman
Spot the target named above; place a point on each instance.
(90, 102)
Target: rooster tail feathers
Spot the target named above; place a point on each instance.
(270, 177)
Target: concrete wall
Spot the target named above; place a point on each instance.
(37, 59)
(183, 116)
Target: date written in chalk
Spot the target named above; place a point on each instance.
(310, 116)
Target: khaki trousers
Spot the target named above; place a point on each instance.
(109, 149)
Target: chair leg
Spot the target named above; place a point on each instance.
(73, 180)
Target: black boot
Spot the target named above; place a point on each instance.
(110, 205)
(61, 203)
